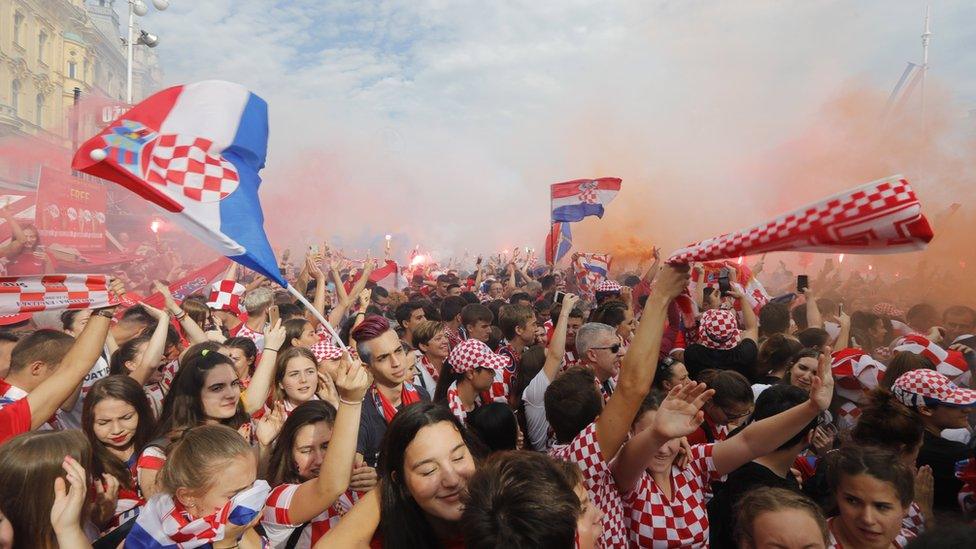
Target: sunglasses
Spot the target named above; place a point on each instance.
(615, 348)
(733, 417)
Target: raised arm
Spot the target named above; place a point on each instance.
(751, 330)
(194, 333)
(764, 436)
(263, 377)
(814, 320)
(556, 350)
(319, 300)
(655, 267)
(639, 364)
(316, 495)
(155, 348)
(46, 397)
(844, 337)
(479, 274)
(679, 415)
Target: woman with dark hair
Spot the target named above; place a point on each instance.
(425, 464)
(118, 423)
(243, 352)
(730, 407)
(495, 426)
(472, 377)
(299, 333)
(312, 461)
(775, 356)
(618, 315)
(872, 489)
(803, 367)
(206, 390)
(670, 373)
(868, 332)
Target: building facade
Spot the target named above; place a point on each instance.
(48, 49)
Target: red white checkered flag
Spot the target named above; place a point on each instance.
(881, 217)
(31, 294)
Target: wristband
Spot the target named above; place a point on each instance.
(107, 313)
(350, 403)
(272, 350)
(180, 315)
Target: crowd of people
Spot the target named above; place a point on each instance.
(505, 405)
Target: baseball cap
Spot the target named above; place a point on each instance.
(226, 295)
(471, 354)
(930, 388)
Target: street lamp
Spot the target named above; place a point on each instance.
(138, 8)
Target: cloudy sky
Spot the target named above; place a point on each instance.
(443, 122)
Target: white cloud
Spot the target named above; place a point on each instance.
(446, 120)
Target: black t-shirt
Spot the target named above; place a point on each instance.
(750, 476)
(372, 427)
(941, 455)
(741, 358)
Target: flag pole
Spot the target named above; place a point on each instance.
(318, 315)
(553, 246)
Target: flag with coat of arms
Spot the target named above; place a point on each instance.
(574, 200)
(195, 151)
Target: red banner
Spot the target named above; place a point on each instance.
(70, 211)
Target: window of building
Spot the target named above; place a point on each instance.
(41, 46)
(39, 115)
(72, 69)
(15, 95)
(18, 27)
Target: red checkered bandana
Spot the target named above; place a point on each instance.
(608, 286)
(226, 296)
(718, 329)
(888, 310)
(939, 357)
(930, 388)
(471, 354)
(855, 374)
(883, 216)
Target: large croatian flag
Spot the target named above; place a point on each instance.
(195, 151)
(574, 200)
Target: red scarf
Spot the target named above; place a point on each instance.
(408, 395)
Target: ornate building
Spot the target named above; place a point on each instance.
(48, 49)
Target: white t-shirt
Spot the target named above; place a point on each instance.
(72, 419)
(533, 398)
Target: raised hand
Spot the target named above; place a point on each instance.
(106, 496)
(68, 500)
(822, 386)
(327, 390)
(680, 414)
(363, 478)
(672, 280)
(270, 425)
(364, 298)
(656, 253)
(274, 335)
(159, 314)
(351, 379)
(570, 301)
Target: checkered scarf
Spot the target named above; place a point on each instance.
(718, 329)
(163, 522)
(883, 216)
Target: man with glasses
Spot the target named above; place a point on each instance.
(599, 348)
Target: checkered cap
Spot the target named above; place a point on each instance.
(881, 215)
(888, 310)
(471, 354)
(927, 388)
(939, 357)
(608, 286)
(719, 329)
(855, 373)
(847, 416)
(226, 296)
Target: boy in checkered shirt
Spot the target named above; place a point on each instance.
(590, 435)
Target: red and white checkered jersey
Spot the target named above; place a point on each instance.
(681, 520)
(279, 527)
(256, 337)
(584, 451)
(913, 523)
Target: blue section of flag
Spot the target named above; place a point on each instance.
(565, 242)
(241, 218)
(576, 212)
